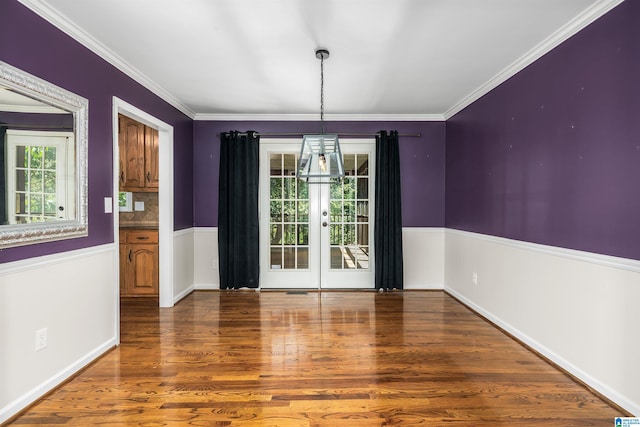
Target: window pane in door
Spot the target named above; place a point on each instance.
(276, 258)
(50, 182)
(336, 211)
(303, 258)
(349, 164)
(349, 209)
(289, 214)
(289, 256)
(336, 258)
(303, 211)
(35, 181)
(275, 165)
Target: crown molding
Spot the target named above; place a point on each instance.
(60, 21)
(581, 21)
(328, 117)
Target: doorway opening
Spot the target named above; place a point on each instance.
(165, 199)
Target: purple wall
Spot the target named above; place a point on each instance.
(33, 45)
(422, 164)
(552, 156)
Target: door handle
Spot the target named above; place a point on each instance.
(148, 176)
(324, 223)
(130, 253)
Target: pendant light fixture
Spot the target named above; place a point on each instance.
(320, 156)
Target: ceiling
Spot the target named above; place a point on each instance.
(252, 59)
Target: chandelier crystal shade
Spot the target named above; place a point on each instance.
(320, 157)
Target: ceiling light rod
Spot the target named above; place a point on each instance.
(322, 54)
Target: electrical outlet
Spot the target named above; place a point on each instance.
(474, 278)
(215, 264)
(41, 339)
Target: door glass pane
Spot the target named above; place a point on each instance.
(276, 258)
(363, 188)
(276, 188)
(349, 234)
(290, 161)
(363, 211)
(289, 214)
(276, 211)
(50, 158)
(336, 211)
(276, 234)
(35, 179)
(349, 164)
(303, 211)
(336, 258)
(349, 209)
(290, 188)
(335, 234)
(349, 186)
(289, 258)
(50, 182)
(303, 258)
(303, 234)
(275, 164)
(289, 234)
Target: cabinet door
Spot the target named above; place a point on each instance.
(131, 146)
(151, 158)
(143, 272)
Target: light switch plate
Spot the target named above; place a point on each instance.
(138, 206)
(108, 205)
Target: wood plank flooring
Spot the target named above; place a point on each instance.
(333, 359)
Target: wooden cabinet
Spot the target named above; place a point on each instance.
(139, 263)
(138, 147)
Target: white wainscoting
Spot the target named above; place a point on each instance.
(578, 309)
(183, 263)
(423, 250)
(72, 295)
(423, 253)
(205, 258)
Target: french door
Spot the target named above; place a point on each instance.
(316, 236)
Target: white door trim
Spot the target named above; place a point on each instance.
(319, 271)
(165, 199)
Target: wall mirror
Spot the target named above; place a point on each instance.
(43, 160)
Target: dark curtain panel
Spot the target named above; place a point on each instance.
(388, 219)
(238, 248)
(3, 184)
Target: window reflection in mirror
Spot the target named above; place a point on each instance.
(40, 185)
(38, 148)
(43, 160)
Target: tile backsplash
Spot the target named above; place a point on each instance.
(148, 217)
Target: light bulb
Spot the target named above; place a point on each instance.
(322, 162)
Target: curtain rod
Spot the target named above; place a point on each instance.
(343, 134)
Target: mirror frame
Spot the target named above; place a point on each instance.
(41, 90)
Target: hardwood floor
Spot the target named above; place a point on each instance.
(318, 359)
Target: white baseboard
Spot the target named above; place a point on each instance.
(424, 287)
(14, 407)
(183, 294)
(206, 286)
